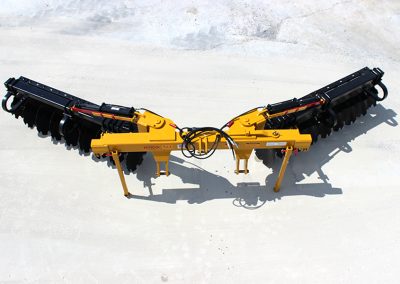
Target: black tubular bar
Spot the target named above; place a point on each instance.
(363, 79)
(25, 88)
(42, 93)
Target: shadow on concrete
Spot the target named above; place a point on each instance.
(255, 195)
(211, 186)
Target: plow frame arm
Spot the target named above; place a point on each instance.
(160, 136)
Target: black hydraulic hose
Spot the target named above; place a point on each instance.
(188, 147)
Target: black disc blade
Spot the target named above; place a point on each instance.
(133, 160)
(314, 133)
(71, 134)
(364, 107)
(324, 129)
(371, 101)
(353, 114)
(85, 138)
(29, 114)
(42, 120)
(347, 113)
(18, 112)
(54, 125)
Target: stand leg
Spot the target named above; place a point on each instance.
(237, 171)
(242, 155)
(120, 172)
(162, 157)
(285, 161)
(167, 168)
(158, 169)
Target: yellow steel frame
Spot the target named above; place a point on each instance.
(159, 136)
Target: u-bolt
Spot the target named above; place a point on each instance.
(4, 102)
(375, 96)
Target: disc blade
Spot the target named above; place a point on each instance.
(29, 114)
(86, 136)
(54, 125)
(42, 120)
(71, 134)
(133, 160)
